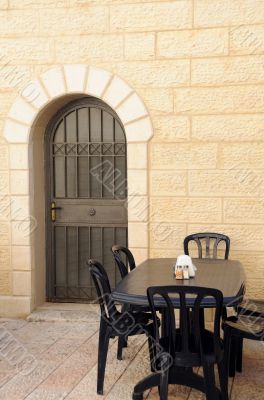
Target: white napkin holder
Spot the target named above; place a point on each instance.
(184, 267)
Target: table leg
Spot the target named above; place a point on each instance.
(177, 376)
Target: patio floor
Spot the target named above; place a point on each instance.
(59, 361)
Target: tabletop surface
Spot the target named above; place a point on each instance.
(225, 275)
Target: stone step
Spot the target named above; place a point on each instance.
(66, 313)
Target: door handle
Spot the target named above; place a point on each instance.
(53, 211)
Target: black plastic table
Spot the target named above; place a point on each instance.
(225, 275)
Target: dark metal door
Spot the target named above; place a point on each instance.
(86, 209)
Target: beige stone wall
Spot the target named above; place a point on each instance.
(199, 67)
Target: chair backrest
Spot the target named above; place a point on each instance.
(210, 238)
(102, 286)
(189, 345)
(128, 265)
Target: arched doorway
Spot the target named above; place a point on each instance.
(24, 131)
(86, 196)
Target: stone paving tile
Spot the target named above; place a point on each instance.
(114, 369)
(135, 371)
(46, 394)
(247, 392)
(253, 349)
(13, 324)
(20, 385)
(73, 369)
(61, 350)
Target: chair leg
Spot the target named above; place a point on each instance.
(163, 388)
(223, 379)
(104, 336)
(209, 381)
(239, 354)
(121, 344)
(232, 357)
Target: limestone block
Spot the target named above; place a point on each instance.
(172, 209)
(4, 183)
(230, 182)
(242, 155)
(18, 155)
(228, 70)
(34, 94)
(97, 81)
(251, 211)
(22, 283)
(117, 91)
(138, 234)
(5, 283)
(89, 49)
(231, 99)
(254, 289)
(247, 39)
(75, 77)
(20, 209)
(226, 12)
(54, 82)
(169, 73)
(12, 77)
(165, 253)
(137, 156)
(5, 207)
(192, 43)
(139, 131)
(230, 128)
(183, 156)
(138, 208)
(11, 24)
(140, 255)
(171, 128)
(22, 111)
(21, 257)
(132, 108)
(3, 4)
(19, 182)
(157, 100)
(137, 181)
(21, 232)
(3, 157)
(147, 16)
(68, 20)
(14, 132)
(5, 262)
(4, 234)
(25, 50)
(11, 306)
(168, 183)
(167, 236)
(139, 46)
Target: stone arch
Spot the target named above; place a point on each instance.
(24, 127)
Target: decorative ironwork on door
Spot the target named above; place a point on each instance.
(86, 196)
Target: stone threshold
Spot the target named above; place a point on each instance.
(65, 312)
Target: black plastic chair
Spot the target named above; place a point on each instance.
(114, 323)
(209, 237)
(252, 307)
(247, 324)
(128, 265)
(186, 346)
